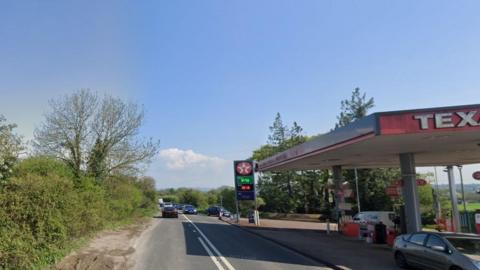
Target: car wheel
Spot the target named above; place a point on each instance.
(400, 260)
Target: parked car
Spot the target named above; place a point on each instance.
(226, 213)
(189, 209)
(439, 251)
(386, 217)
(214, 211)
(170, 212)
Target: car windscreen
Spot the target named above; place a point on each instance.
(188, 207)
(466, 245)
(169, 209)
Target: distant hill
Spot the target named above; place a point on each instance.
(467, 187)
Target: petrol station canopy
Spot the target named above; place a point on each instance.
(436, 136)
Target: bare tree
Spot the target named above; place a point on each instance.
(65, 132)
(97, 136)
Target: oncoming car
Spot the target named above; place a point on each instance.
(189, 209)
(439, 251)
(170, 212)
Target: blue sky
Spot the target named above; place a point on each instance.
(212, 74)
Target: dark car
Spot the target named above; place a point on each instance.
(442, 251)
(189, 209)
(214, 211)
(170, 212)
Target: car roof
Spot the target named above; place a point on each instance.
(368, 212)
(449, 234)
(458, 235)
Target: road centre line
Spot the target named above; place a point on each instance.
(212, 256)
(225, 261)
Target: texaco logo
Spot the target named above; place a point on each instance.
(244, 168)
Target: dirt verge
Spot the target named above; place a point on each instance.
(110, 249)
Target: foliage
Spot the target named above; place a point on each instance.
(42, 209)
(10, 147)
(224, 196)
(287, 192)
(193, 197)
(100, 135)
(354, 108)
(43, 166)
(371, 182)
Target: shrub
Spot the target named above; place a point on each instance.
(34, 214)
(123, 196)
(43, 207)
(43, 166)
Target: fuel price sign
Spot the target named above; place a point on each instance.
(244, 180)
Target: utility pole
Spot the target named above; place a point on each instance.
(463, 196)
(438, 208)
(358, 194)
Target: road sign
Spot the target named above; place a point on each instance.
(244, 180)
(393, 191)
(399, 183)
(421, 182)
(345, 206)
(476, 175)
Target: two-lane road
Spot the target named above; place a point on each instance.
(201, 243)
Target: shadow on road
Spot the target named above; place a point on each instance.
(333, 249)
(235, 243)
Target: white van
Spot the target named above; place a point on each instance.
(374, 217)
(165, 204)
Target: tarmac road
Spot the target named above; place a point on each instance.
(201, 243)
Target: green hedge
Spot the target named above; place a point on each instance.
(42, 209)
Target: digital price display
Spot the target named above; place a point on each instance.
(244, 180)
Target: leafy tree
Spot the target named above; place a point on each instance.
(228, 198)
(193, 197)
(372, 182)
(99, 136)
(279, 133)
(147, 185)
(354, 108)
(289, 191)
(10, 148)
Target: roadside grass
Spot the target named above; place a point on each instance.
(472, 206)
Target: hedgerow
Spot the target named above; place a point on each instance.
(43, 208)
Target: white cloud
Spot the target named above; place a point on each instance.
(177, 159)
(175, 167)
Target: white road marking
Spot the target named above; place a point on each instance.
(214, 259)
(225, 261)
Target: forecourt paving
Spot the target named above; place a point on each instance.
(334, 250)
(195, 242)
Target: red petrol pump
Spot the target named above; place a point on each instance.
(477, 222)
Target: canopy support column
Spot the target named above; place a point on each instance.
(410, 193)
(339, 198)
(453, 197)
